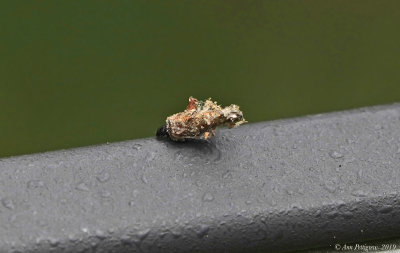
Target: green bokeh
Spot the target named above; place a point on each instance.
(76, 73)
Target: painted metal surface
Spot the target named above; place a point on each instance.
(265, 187)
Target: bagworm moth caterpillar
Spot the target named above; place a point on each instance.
(199, 120)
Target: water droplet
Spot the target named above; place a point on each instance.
(289, 192)
(93, 243)
(359, 193)
(126, 239)
(227, 174)
(103, 177)
(332, 214)
(53, 241)
(385, 209)
(144, 179)
(202, 230)
(176, 234)
(150, 156)
(347, 215)
(33, 184)
(137, 238)
(163, 234)
(135, 193)
(8, 203)
(131, 203)
(140, 236)
(137, 146)
(82, 187)
(208, 197)
(335, 154)
(104, 194)
(100, 234)
(330, 186)
(360, 173)
(178, 155)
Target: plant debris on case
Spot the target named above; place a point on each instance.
(199, 120)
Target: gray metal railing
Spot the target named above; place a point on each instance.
(265, 187)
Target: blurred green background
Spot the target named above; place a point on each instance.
(76, 73)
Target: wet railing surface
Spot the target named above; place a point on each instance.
(264, 187)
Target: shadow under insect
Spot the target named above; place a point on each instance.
(162, 134)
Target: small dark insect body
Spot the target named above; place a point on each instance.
(162, 131)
